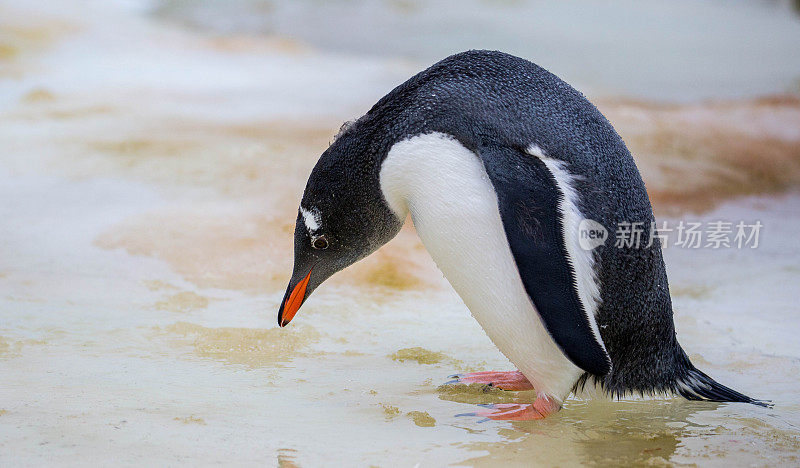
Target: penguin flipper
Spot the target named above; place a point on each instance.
(528, 197)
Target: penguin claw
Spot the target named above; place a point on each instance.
(505, 412)
(513, 381)
(539, 409)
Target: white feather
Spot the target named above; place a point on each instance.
(311, 219)
(454, 207)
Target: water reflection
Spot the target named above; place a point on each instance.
(600, 433)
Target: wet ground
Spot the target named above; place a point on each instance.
(150, 175)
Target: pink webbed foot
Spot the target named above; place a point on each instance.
(513, 381)
(539, 409)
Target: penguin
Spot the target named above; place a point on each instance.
(499, 163)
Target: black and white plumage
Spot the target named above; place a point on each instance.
(498, 161)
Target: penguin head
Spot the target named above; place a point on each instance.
(342, 218)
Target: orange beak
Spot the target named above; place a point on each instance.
(292, 303)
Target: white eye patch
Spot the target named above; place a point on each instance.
(311, 219)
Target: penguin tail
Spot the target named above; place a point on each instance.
(696, 385)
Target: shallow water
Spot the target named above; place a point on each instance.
(150, 188)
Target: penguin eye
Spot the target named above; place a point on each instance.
(319, 242)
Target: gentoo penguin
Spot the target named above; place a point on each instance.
(499, 162)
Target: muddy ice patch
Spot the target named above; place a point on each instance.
(185, 301)
(249, 347)
(695, 156)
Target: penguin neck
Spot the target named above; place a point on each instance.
(410, 173)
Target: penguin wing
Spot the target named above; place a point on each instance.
(531, 195)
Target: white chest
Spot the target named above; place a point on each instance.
(454, 207)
